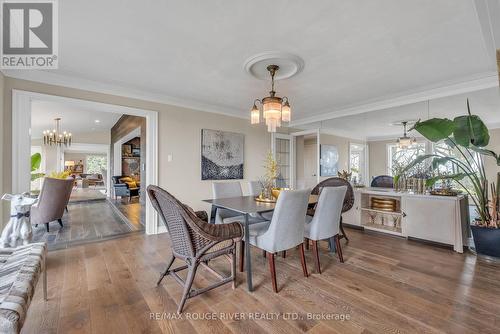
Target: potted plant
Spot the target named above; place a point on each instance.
(36, 160)
(469, 136)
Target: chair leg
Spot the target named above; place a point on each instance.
(283, 254)
(316, 256)
(242, 255)
(306, 241)
(339, 249)
(170, 262)
(303, 260)
(343, 232)
(187, 286)
(47, 226)
(60, 222)
(233, 267)
(272, 269)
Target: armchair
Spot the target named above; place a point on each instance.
(122, 189)
(53, 199)
(195, 242)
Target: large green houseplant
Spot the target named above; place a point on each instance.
(469, 136)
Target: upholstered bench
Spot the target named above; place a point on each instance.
(20, 269)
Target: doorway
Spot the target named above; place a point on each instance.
(21, 138)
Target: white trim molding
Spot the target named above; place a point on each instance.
(21, 140)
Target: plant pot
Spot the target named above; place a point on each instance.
(487, 240)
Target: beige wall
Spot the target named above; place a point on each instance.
(378, 157)
(179, 134)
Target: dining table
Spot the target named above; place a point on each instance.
(251, 209)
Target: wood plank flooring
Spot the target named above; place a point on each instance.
(134, 211)
(84, 222)
(386, 285)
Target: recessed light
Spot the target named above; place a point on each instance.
(97, 121)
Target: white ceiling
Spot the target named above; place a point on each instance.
(74, 120)
(192, 52)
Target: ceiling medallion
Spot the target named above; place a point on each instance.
(277, 65)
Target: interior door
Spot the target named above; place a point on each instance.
(282, 149)
(310, 165)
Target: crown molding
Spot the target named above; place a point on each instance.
(444, 89)
(478, 82)
(76, 82)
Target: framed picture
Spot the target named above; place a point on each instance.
(328, 162)
(136, 152)
(221, 155)
(127, 150)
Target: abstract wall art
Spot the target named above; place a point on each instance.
(329, 158)
(221, 155)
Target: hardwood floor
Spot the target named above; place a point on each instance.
(84, 222)
(386, 285)
(134, 211)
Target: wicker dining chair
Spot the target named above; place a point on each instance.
(195, 242)
(348, 199)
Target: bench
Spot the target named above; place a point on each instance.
(20, 269)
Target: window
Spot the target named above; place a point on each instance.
(95, 164)
(282, 156)
(357, 163)
(399, 158)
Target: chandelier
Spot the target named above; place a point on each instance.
(405, 141)
(55, 136)
(275, 109)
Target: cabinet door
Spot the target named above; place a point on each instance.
(353, 216)
(430, 218)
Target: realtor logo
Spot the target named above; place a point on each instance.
(29, 34)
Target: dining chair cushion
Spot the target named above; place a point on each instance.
(326, 221)
(286, 227)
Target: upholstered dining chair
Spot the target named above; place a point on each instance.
(226, 190)
(52, 201)
(348, 199)
(254, 189)
(325, 224)
(195, 242)
(285, 231)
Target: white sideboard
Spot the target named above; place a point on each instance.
(439, 219)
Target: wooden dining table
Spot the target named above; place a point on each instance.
(246, 206)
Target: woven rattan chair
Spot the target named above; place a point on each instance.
(195, 242)
(348, 199)
(382, 181)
